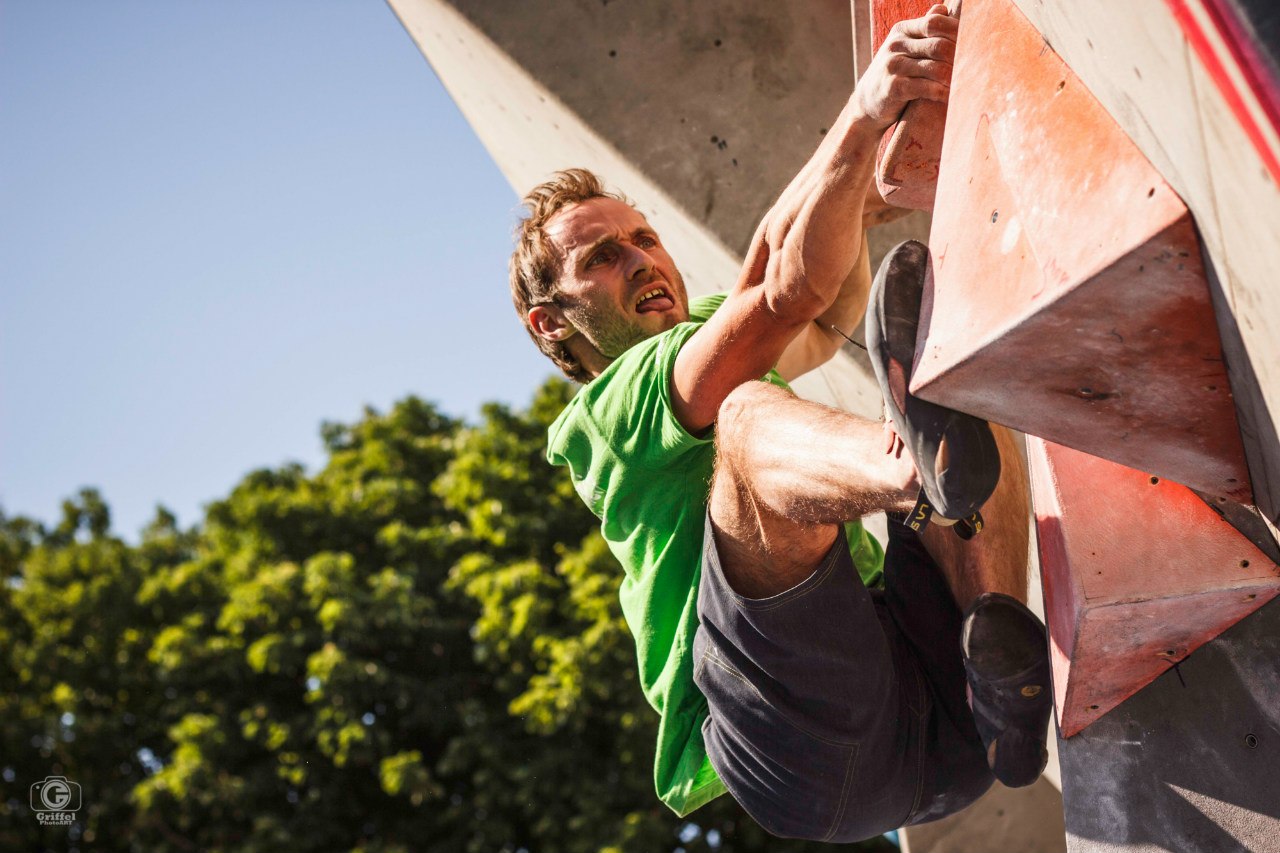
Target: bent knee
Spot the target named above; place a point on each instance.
(740, 410)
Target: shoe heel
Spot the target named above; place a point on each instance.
(967, 528)
(1016, 759)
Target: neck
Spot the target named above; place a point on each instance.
(591, 359)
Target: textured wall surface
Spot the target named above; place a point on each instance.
(699, 96)
(701, 112)
(1192, 762)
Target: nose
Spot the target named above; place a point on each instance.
(639, 263)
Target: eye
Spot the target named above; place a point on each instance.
(647, 241)
(603, 255)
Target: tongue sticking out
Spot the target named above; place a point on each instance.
(655, 303)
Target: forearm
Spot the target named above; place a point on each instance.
(846, 311)
(808, 243)
(810, 237)
(812, 232)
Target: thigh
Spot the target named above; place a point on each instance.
(760, 552)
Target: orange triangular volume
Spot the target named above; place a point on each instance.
(1068, 297)
(1138, 572)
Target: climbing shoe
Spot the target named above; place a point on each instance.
(1006, 663)
(955, 454)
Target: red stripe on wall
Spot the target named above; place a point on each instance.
(1246, 59)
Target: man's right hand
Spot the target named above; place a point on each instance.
(913, 63)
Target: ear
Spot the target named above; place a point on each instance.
(549, 323)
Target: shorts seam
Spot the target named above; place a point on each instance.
(844, 792)
(698, 663)
(915, 805)
(710, 656)
(919, 707)
(806, 586)
(920, 715)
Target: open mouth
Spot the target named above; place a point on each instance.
(654, 299)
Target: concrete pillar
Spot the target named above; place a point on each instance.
(1010, 820)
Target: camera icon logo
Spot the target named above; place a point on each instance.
(55, 799)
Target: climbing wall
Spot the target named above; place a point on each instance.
(1072, 296)
(1138, 573)
(1069, 298)
(1191, 763)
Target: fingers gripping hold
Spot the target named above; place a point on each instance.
(915, 62)
(920, 44)
(914, 66)
(937, 22)
(914, 88)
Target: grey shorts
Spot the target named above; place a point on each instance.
(838, 713)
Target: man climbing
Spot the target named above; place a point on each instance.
(828, 709)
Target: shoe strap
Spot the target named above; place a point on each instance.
(920, 514)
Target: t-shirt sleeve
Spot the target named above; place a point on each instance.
(701, 308)
(622, 423)
(634, 410)
(867, 554)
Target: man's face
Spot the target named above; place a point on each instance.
(618, 286)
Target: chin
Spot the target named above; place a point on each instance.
(671, 319)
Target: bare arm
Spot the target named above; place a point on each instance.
(818, 341)
(806, 248)
(823, 338)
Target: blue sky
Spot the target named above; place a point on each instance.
(222, 223)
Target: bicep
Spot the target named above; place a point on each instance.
(823, 338)
(740, 343)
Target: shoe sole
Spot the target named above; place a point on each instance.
(892, 325)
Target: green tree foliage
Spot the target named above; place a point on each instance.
(419, 647)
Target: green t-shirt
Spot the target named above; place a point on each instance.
(647, 480)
